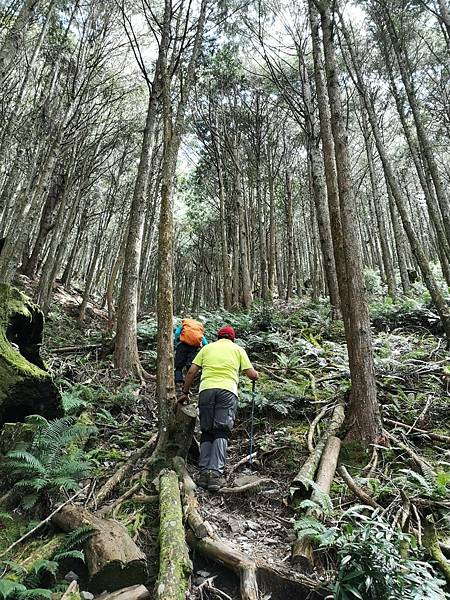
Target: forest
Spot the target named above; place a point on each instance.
(224, 299)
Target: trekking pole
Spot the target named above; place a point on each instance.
(252, 421)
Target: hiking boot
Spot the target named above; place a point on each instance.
(216, 481)
(203, 479)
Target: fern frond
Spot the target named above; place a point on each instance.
(36, 594)
(79, 554)
(49, 566)
(37, 420)
(75, 539)
(21, 456)
(29, 501)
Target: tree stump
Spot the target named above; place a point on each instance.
(112, 558)
(25, 385)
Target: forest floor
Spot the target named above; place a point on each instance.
(301, 356)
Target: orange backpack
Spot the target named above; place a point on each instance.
(192, 332)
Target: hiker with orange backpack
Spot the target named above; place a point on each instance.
(189, 338)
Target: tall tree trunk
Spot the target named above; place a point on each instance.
(376, 198)
(126, 356)
(326, 135)
(14, 39)
(288, 204)
(173, 131)
(364, 416)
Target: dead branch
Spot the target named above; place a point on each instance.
(357, 491)
(433, 436)
(123, 472)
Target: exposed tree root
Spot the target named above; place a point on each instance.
(72, 592)
(357, 491)
(238, 562)
(248, 487)
(425, 467)
(431, 543)
(190, 502)
(312, 428)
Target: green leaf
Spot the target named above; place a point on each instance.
(8, 588)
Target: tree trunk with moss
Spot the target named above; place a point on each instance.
(25, 385)
(174, 562)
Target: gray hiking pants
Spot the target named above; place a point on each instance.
(217, 409)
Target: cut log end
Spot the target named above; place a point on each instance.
(116, 575)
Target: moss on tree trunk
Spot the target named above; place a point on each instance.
(25, 385)
(174, 563)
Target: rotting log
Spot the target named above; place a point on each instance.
(112, 558)
(26, 387)
(174, 562)
(303, 549)
(109, 486)
(300, 487)
(190, 503)
(135, 592)
(235, 560)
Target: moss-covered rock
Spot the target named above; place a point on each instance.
(25, 385)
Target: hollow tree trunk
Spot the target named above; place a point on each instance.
(25, 385)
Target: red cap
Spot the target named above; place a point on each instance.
(226, 331)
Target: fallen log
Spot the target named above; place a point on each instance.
(26, 387)
(416, 430)
(174, 562)
(235, 560)
(135, 592)
(303, 549)
(190, 502)
(69, 349)
(112, 558)
(300, 487)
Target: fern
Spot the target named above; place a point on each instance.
(74, 540)
(36, 594)
(51, 463)
(78, 554)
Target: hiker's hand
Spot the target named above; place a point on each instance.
(183, 398)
